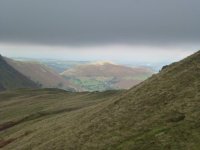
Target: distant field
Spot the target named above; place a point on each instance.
(105, 83)
(105, 76)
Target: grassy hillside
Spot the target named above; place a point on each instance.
(103, 76)
(20, 109)
(43, 75)
(161, 113)
(12, 79)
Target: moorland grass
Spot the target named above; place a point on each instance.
(161, 113)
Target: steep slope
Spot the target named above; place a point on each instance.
(159, 113)
(43, 75)
(102, 76)
(12, 79)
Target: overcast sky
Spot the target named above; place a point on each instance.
(100, 29)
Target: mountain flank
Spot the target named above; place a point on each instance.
(43, 75)
(12, 79)
(160, 113)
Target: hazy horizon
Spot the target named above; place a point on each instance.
(115, 53)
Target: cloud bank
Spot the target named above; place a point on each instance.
(97, 22)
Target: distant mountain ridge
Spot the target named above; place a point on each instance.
(104, 75)
(12, 79)
(105, 69)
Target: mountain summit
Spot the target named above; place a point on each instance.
(103, 63)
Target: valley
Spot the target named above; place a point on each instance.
(80, 75)
(43, 75)
(159, 113)
(99, 75)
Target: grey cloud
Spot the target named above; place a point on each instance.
(73, 22)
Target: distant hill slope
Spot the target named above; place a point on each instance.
(42, 74)
(12, 79)
(61, 65)
(161, 113)
(102, 76)
(56, 64)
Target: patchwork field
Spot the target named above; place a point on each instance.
(105, 76)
